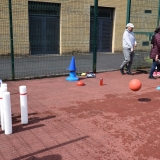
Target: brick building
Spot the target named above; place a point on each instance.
(66, 26)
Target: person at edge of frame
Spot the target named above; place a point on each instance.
(155, 52)
(129, 42)
(157, 72)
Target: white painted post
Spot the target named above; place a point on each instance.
(23, 104)
(3, 84)
(2, 90)
(7, 112)
(0, 82)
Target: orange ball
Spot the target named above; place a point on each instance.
(135, 84)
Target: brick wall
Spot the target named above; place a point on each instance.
(4, 29)
(74, 25)
(144, 22)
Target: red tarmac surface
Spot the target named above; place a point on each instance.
(91, 122)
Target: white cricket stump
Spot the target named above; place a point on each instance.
(3, 84)
(23, 104)
(2, 90)
(7, 113)
(0, 82)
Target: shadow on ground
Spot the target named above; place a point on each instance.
(49, 157)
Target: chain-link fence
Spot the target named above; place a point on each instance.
(144, 14)
(39, 38)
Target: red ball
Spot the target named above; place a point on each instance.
(135, 84)
(80, 83)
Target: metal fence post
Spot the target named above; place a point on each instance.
(95, 35)
(158, 13)
(128, 11)
(11, 39)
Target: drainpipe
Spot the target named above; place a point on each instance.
(95, 35)
(11, 39)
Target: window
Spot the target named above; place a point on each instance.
(103, 12)
(147, 11)
(44, 8)
(145, 43)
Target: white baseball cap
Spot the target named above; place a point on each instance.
(130, 25)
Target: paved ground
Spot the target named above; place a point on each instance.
(91, 122)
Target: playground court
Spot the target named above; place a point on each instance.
(91, 122)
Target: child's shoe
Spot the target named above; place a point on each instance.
(158, 74)
(155, 74)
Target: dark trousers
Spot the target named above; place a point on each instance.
(158, 67)
(154, 64)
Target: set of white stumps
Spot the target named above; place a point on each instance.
(5, 108)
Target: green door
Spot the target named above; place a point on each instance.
(44, 27)
(44, 34)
